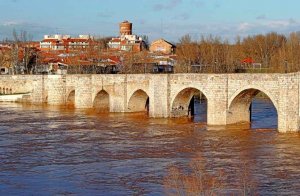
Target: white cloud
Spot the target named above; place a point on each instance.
(11, 23)
(244, 26)
(229, 31)
(280, 26)
(36, 30)
(277, 23)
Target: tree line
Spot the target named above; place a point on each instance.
(271, 52)
(268, 53)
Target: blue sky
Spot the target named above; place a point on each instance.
(170, 19)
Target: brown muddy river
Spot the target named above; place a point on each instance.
(50, 151)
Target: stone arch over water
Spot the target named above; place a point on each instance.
(184, 102)
(101, 101)
(239, 106)
(138, 102)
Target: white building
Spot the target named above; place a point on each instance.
(64, 42)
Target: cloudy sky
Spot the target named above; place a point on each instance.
(170, 19)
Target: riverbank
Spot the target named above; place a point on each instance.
(14, 97)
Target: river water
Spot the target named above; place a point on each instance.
(54, 151)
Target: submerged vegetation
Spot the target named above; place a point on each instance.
(200, 179)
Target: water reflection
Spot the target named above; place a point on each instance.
(58, 151)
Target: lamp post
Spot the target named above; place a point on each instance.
(286, 66)
(215, 67)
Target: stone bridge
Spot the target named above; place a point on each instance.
(166, 95)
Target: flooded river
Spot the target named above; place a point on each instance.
(50, 151)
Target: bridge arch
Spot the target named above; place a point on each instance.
(139, 101)
(182, 103)
(101, 101)
(239, 104)
(70, 102)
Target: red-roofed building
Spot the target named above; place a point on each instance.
(65, 42)
(248, 60)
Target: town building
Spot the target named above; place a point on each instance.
(162, 46)
(127, 41)
(65, 42)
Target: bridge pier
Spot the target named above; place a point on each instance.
(56, 90)
(39, 89)
(159, 96)
(288, 111)
(217, 95)
(216, 113)
(83, 92)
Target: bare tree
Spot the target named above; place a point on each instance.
(274, 52)
(188, 53)
(21, 48)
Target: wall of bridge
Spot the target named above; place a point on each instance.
(282, 89)
(212, 86)
(228, 95)
(35, 85)
(18, 83)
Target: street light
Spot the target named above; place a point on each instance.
(286, 66)
(215, 66)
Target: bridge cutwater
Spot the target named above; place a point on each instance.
(167, 95)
